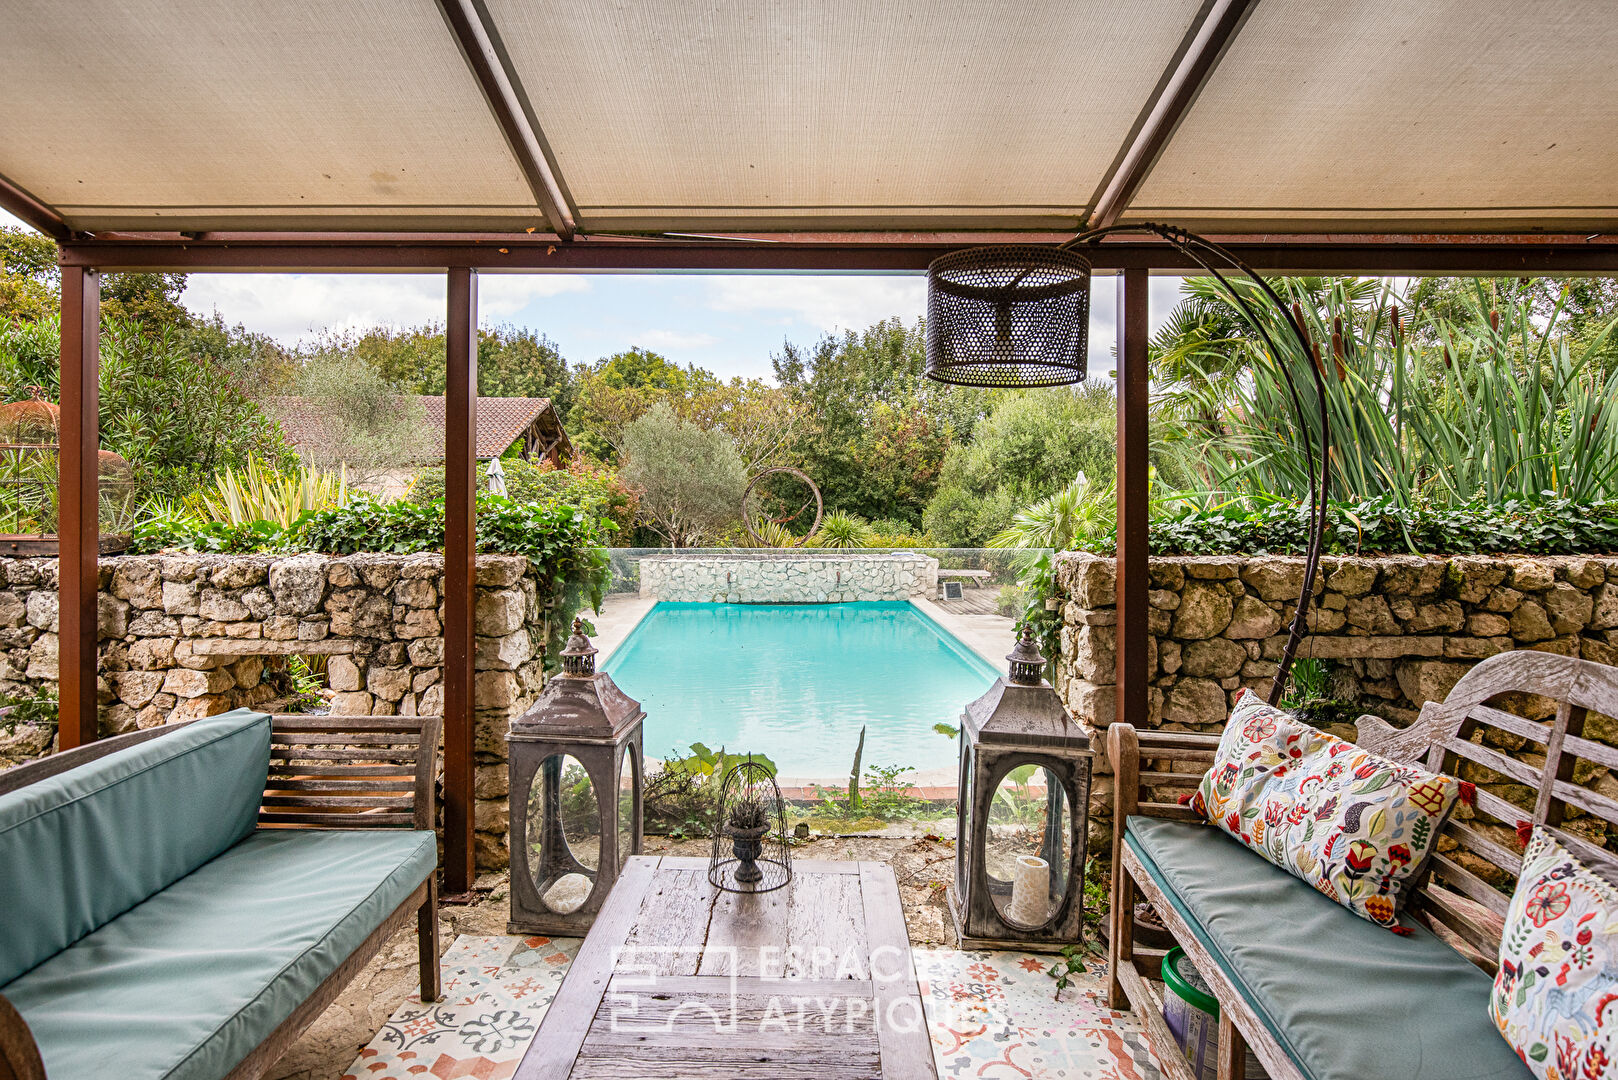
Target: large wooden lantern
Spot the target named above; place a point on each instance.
(576, 795)
(1022, 821)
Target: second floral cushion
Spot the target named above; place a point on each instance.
(1353, 824)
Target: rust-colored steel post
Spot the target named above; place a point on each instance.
(1133, 493)
(78, 502)
(460, 573)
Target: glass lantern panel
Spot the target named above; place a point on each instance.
(963, 815)
(1029, 845)
(626, 806)
(564, 833)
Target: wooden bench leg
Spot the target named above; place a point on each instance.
(427, 942)
(1232, 1050)
(1121, 938)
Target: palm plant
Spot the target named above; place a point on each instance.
(1080, 514)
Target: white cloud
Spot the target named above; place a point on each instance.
(294, 307)
(830, 303)
(673, 339)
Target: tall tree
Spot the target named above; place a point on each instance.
(866, 387)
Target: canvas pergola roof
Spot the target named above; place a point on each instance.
(1322, 136)
(1226, 116)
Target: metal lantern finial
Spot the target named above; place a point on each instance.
(1027, 662)
(579, 656)
(1009, 315)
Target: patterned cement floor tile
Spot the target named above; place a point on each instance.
(991, 1015)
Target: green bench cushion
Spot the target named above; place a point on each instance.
(192, 980)
(78, 849)
(1347, 999)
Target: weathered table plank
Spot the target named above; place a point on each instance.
(678, 979)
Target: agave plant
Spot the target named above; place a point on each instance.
(840, 530)
(260, 493)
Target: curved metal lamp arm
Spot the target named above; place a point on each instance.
(1199, 250)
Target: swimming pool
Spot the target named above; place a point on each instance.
(796, 681)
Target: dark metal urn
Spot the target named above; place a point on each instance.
(747, 845)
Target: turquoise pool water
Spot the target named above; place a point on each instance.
(796, 681)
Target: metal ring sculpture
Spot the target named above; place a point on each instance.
(820, 506)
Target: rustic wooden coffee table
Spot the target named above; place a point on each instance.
(679, 979)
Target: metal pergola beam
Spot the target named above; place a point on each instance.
(486, 56)
(22, 204)
(1131, 677)
(460, 576)
(78, 503)
(1368, 254)
(1219, 22)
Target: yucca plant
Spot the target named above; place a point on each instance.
(1497, 407)
(840, 530)
(260, 493)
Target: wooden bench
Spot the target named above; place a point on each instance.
(1464, 897)
(108, 973)
(977, 577)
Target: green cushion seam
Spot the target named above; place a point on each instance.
(1218, 953)
(109, 785)
(280, 974)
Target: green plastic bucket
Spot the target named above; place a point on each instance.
(1192, 1015)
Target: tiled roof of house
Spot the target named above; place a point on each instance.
(501, 421)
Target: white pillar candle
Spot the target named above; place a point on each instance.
(1030, 891)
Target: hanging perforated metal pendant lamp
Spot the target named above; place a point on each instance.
(1011, 316)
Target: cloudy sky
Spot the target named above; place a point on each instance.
(727, 324)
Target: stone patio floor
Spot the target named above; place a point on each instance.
(990, 1014)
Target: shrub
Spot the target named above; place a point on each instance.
(1549, 527)
(593, 488)
(564, 544)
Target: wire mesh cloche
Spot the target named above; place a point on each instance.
(750, 853)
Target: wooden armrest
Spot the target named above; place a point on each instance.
(353, 772)
(1126, 747)
(1123, 752)
(19, 1054)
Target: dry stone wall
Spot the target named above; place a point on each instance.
(791, 577)
(185, 636)
(1396, 632)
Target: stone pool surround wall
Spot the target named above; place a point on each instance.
(186, 636)
(791, 577)
(1397, 631)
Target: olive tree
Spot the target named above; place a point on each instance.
(690, 479)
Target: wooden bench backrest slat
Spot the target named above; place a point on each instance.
(351, 772)
(1454, 734)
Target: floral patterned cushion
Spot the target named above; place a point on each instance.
(1558, 979)
(1356, 826)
